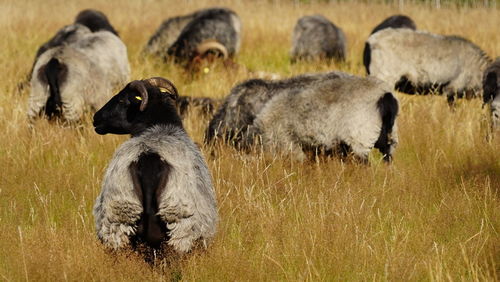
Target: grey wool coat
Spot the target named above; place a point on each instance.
(187, 204)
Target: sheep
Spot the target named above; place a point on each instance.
(396, 21)
(315, 37)
(157, 190)
(188, 37)
(69, 79)
(329, 112)
(85, 22)
(418, 62)
(491, 92)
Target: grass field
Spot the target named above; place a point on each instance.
(432, 215)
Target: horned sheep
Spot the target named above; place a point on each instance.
(419, 62)
(315, 37)
(324, 112)
(76, 76)
(157, 189)
(491, 92)
(185, 38)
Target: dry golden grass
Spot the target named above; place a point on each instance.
(433, 214)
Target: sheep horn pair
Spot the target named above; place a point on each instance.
(159, 82)
(211, 44)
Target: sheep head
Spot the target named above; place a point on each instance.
(138, 106)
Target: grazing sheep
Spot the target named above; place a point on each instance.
(396, 21)
(491, 91)
(418, 62)
(157, 188)
(214, 30)
(81, 75)
(315, 37)
(311, 113)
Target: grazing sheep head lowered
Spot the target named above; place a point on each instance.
(141, 104)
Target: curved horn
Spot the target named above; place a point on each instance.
(139, 86)
(161, 82)
(212, 45)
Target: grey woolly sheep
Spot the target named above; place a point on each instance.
(418, 62)
(311, 113)
(315, 37)
(491, 92)
(80, 75)
(186, 37)
(157, 189)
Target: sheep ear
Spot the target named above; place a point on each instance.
(165, 84)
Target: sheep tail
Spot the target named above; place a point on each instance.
(388, 108)
(55, 73)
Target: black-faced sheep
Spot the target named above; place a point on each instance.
(396, 21)
(80, 75)
(214, 30)
(418, 62)
(315, 37)
(157, 188)
(311, 113)
(491, 92)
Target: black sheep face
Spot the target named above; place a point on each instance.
(126, 112)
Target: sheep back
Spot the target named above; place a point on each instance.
(187, 204)
(167, 34)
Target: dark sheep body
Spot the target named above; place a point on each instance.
(315, 37)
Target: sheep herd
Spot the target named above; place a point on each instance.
(157, 190)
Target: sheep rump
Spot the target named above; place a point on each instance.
(187, 202)
(96, 63)
(420, 62)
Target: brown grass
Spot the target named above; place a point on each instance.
(433, 214)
